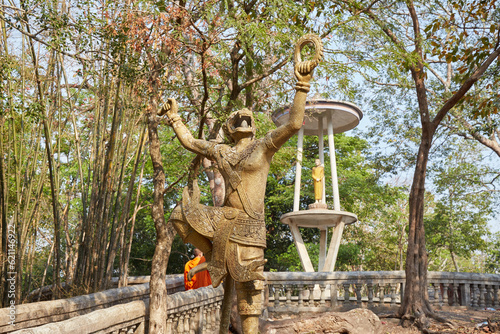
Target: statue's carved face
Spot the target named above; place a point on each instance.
(240, 124)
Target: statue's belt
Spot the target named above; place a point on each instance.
(227, 227)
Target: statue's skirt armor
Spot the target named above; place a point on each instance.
(238, 241)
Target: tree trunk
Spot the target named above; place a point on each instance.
(129, 237)
(164, 233)
(415, 295)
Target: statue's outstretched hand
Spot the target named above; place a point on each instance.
(170, 109)
(304, 69)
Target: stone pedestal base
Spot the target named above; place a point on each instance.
(316, 206)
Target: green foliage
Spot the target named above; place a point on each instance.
(493, 257)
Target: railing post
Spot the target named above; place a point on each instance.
(180, 323)
(300, 287)
(393, 294)
(445, 294)
(381, 294)
(188, 324)
(495, 296)
(288, 294)
(346, 293)
(436, 293)
(482, 293)
(358, 294)
(310, 287)
(322, 301)
(475, 295)
(369, 286)
(205, 326)
(217, 313)
(401, 291)
(466, 295)
(276, 295)
(489, 295)
(169, 323)
(333, 295)
(455, 294)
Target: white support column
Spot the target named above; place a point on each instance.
(301, 249)
(321, 152)
(323, 241)
(298, 170)
(333, 164)
(323, 237)
(333, 250)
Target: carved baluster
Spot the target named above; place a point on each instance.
(188, 324)
(369, 287)
(482, 293)
(215, 316)
(346, 293)
(276, 295)
(170, 318)
(358, 294)
(393, 294)
(310, 287)
(474, 295)
(387, 288)
(300, 287)
(203, 315)
(495, 296)
(445, 294)
(288, 294)
(489, 296)
(322, 296)
(180, 323)
(272, 294)
(196, 324)
(217, 313)
(381, 294)
(455, 302)
(436, 294)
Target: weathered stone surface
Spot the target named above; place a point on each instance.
(357, 321)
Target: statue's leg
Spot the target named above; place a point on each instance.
(250, 304)
(249, 294)
(188, 234)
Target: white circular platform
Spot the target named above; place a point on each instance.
(345, 116)
(318, 218)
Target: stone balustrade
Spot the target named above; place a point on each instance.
(193, 311)
(319, 292)
(39, 313)
(45, 293)
(199, 310)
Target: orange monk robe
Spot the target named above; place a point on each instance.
(199, 280)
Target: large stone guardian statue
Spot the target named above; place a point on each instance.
(233, 237)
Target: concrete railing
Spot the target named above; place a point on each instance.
(45, 293)
(319, 292)
(199, 310)
(194, 311)
(40, 313)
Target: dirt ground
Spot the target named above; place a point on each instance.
(467, 322)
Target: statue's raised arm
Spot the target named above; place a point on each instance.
(187, 140)
(303, 72)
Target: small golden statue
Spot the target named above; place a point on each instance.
(318, 174)
(233, 237)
